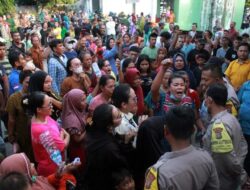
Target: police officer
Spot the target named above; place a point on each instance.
(186, 167)
(224, 140)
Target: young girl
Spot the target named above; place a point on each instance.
(143, 65)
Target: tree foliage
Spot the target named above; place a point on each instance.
(7, 6)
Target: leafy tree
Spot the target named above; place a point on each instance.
(7, 6)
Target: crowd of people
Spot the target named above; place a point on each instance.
(95, 104)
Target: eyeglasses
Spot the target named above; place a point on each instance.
(48, 106)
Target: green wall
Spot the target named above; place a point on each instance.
(238, 12)
(187, 12)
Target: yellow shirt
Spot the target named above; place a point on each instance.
(238, 73)
(57, 33)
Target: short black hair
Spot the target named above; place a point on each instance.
(180, 122)
(218, 92)
(174, 76)
(104, 79)
(2, 44)
(54, 43)
(13, 56)
(120, 95)
(245, 35)
(119, 176)
(215, 69)
(14, 180)
(166, 35)
(244, 44)
(23, 75)
(194, 23)
(135, 49)
(153, 35)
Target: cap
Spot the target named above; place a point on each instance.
(69, 40)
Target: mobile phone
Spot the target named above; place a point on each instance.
(96, 69)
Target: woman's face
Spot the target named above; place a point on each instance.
(179, 63)
(117, 118)
(186, 81)
(126, 38)
(47, 84)
(137, 81)
(144, 65)
(177, 87)
(111, 43)
(165, 79)
(83, 102)
(108, 89)
(161, 55)
(132, 102)
(25, 84)
(46, 108)
(107, 68)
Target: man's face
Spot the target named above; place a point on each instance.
(152, 41)
(207, 79)
(16, 38)
(236, 43)
(232, 25)
(133, 55)
(2, 52)
(180, 43)
(59, 49)
(243, 52)
(194, 27)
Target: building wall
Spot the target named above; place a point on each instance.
(187, 12)
(199, 11)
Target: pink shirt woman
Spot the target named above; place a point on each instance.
(45, 139)
(48, 140)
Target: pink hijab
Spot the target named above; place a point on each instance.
(72, 115)
(21, 163)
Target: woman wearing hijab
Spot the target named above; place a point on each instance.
(179, 64)
(73, 121)
(20, 163)
(132, 77)
(41, 81)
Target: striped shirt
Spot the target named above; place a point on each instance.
(7, 66)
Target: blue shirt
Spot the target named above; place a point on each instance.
(110, 56)
(57, 72)
(244, 110)
(14, 84)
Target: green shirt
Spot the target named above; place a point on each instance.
(151, 52)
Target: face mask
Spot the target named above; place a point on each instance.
(78, 70)
(172, 97)
(69, 46)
